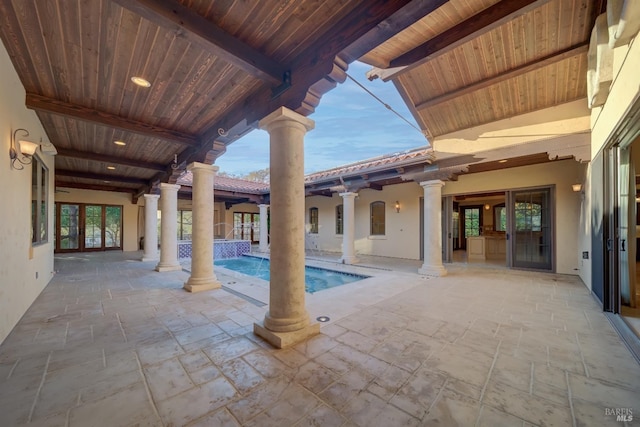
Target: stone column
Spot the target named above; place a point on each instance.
(287, 321)
(348, 228)
(432, 265)
(169, 228)
(202, 276)
(264, 228)
(150, 227)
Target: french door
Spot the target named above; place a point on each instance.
(246, 226)
(88, 227)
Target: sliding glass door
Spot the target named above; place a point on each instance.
(531, 230)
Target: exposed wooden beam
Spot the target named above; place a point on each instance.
(100, 177)
(197, 29)
(580, 49)
(391, 26)
(85, 114)
(68, 184)
(317, 64)
(86, 155)
(473, 27)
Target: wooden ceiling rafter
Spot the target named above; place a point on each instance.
(100, 177)
(96, 187)
(580, 49)
(469, 29)
(54, 106)
(197, 29)
(116, 160)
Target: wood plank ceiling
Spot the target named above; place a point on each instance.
(216, 67)
(475, 62)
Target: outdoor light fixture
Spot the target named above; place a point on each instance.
(576, 187)
(397, 206)
(21, 152)
(487, 206)
(141, 81)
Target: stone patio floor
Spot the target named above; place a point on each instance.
(110, 342)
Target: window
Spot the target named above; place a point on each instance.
(185, 222)
(472, 221)
(39, 202)
(377, 218)
(313, 220)
(500, 217)
(339, 219)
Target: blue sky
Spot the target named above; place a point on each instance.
(350, 126)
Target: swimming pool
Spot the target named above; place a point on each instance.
(315, 279)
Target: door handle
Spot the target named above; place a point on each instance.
(622, 242)
(609, 245)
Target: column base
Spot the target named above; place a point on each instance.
(285, 339)
(149, 258)
(432, 270)
(349, 260)
(168, 267)
(199, 285)
(261, 249)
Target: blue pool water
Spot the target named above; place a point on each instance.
(315, 279)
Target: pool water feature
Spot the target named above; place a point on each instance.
(315, 279)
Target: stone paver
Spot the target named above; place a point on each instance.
(111, 342)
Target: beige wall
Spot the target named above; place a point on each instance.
(24, 270)
(227, 216)
(565, 119)
(624, 89)
(568, 203)
(130, 234)
(402, 237)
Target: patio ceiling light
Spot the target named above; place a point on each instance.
(119, 142)
(140, 81)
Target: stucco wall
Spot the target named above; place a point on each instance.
(568, 203)
(129, 210)
(624, 89)
(24, 270)
(402, 230)
(564, 119)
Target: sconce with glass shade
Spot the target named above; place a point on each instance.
(576, 187)
(487, 206)
(21, 151)
(397, 206)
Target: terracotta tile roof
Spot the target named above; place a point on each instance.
(229, 184)
(364, 166)
(373, 164)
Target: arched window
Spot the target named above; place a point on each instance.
(377, 218)
(313, 220)
(339, 217)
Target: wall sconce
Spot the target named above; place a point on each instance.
(397, 206)
(487, 206)
(576, 187)
(21, 152)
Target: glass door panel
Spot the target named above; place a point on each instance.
(113, 227)
(93, 227)
(69, 228)
(532, 231)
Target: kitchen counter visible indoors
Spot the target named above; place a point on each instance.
(486, 247)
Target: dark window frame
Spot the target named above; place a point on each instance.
(377, 227)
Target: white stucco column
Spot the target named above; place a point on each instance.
(150, 227)
(202, 276)
(287, 321)
(432, 265)
(264, 228)
(348, 228)
(169, 228)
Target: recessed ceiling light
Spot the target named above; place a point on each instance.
(502, 161)
(119, 142)
(111, 168)
(140, 81)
